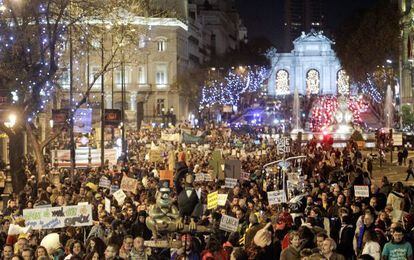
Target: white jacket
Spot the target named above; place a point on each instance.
(373, 249)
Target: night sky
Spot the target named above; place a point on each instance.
(264, 18)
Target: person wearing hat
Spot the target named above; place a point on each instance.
(139, 228)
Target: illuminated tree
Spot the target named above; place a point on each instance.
(34, 46)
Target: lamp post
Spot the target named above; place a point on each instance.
(163, 116)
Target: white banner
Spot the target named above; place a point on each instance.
(361, 191)
(62, 157)
(276, 197)
(58, 217)
(230, 183)
(171, 137)
(228, 223)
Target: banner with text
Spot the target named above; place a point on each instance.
(58, 217)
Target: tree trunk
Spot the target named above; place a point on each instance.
(38, 153)
(16, 151)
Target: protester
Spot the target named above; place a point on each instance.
(319, 208)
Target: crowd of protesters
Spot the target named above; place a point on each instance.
(327, 222)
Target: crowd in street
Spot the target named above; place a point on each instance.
(326, 221)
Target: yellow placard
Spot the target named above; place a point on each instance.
(212, 200)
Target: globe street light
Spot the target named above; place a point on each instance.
(11, 120)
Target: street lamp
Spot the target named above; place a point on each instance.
(11, 120)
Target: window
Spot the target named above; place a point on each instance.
(142, 76)
(160, 106)
(161, 45)
(95, 70)
(118, 76)
(342, 82)
(312, 82)
(142, 42)
(64, 80)
(282, 82)
(161, 74)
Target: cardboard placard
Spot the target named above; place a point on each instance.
(107, 205)
(129, 184)
(167, 175)
(58, 217)
(120, 196)
(222, 199)
(230, 183)
(212, 200)
(104, 182)
(276, 197)
(232, 169)
(361, 191)
(228, 223)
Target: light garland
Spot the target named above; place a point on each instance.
(325, 107)
(235, 83)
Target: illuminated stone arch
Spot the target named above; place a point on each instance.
(282, 82)
(312, 82)
(342, 82)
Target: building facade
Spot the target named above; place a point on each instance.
(312, 67)
(407, 54)
(158, 65)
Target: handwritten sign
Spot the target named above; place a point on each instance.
(230, 183)
(228, 223)
(58, 217)
(120, 196)
(129, 184)
(114, 188)
(104, 182)
(222, 199)
(212, 200)
(276, 197)
(199, 177)
(361, 191)
(155, 155)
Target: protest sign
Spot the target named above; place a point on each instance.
(276, 197)
(191, 139)
(167, 175)
(232, 169)
(120, 196)
(228, 223)
(212, 200)
(155, 155)
(222, 199)
(199, 177)
(104, 182)
(107, 205)
(171, 137)
(114, 188)
(58, 217)
(230, 183)
(207, 177)
(361, 191)
(129, 184)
